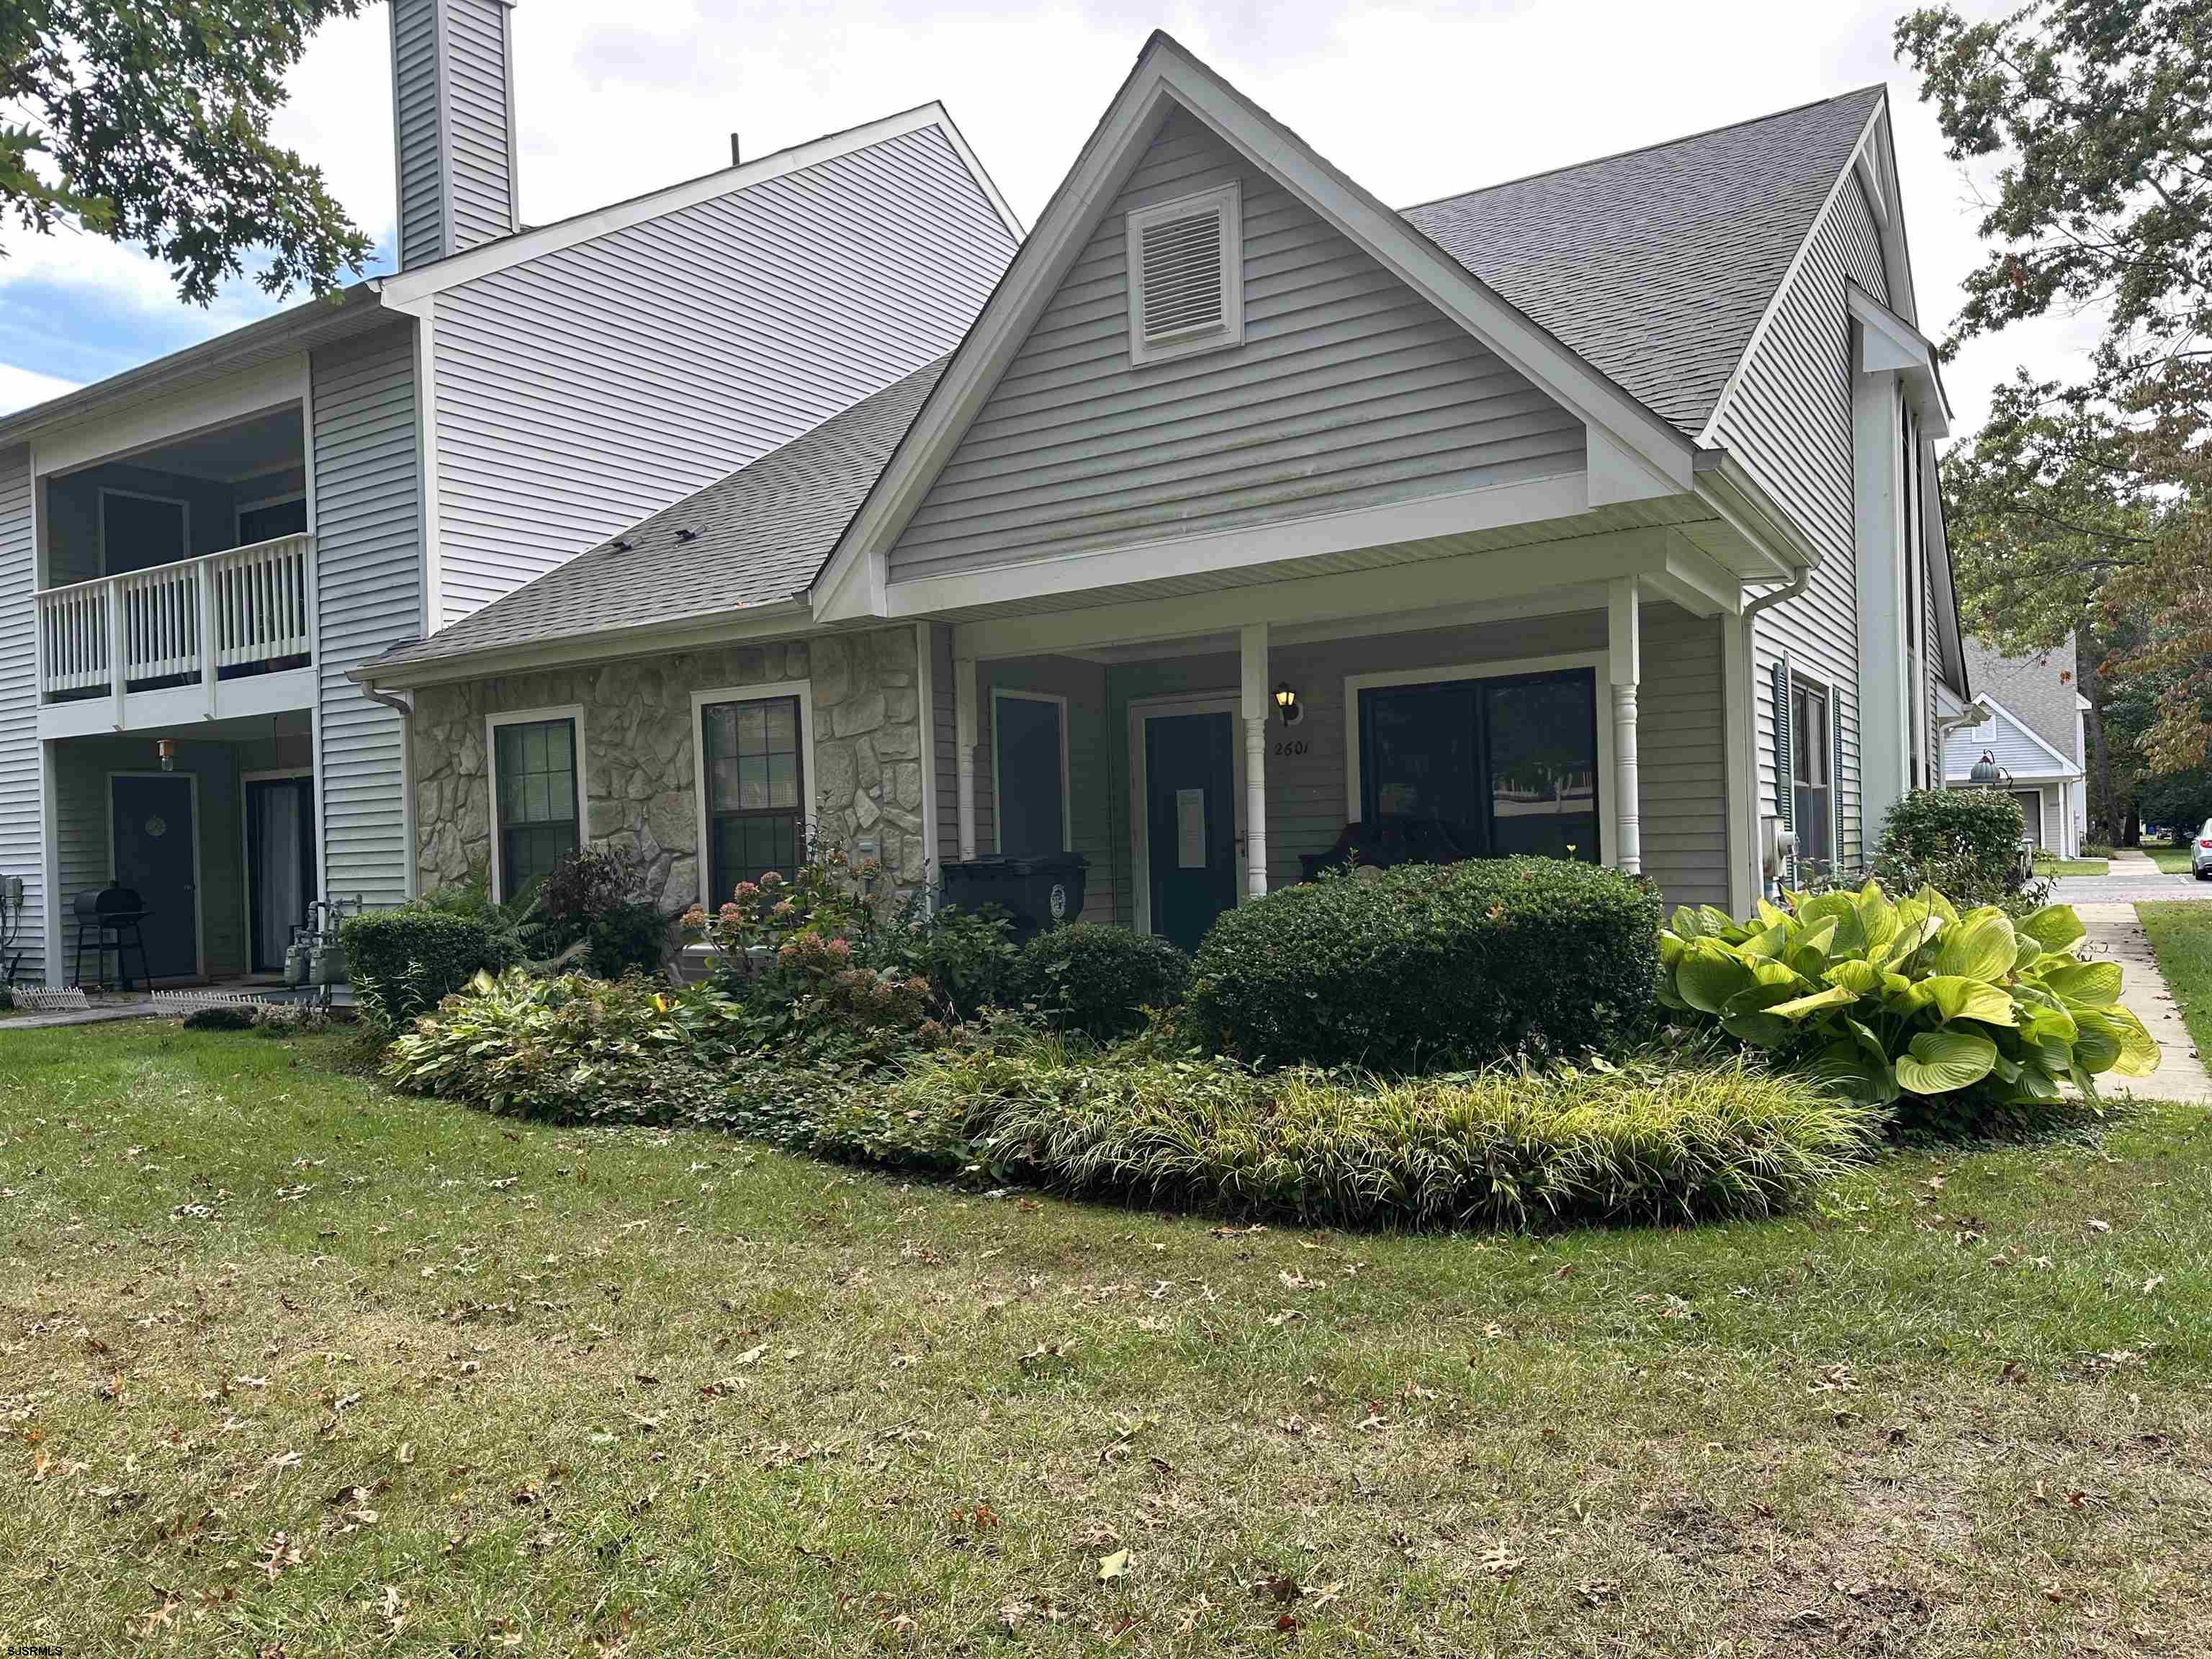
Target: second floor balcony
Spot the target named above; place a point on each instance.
(178, 582)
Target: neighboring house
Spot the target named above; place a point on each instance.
(2033, 709)
(1591, 515)
(194, 555)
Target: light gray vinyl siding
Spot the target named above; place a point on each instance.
(1682, 757)
(415, 120)
(1790, 423)
(589, 387)
(1348, 390)
(479, 124)
(368, 560)
(22, 811)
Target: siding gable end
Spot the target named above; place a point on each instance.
(1349, 390)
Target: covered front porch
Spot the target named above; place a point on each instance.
(212, 824)
(1210, 760)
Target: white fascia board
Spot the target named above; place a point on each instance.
(1166, 76)
(1889, 343)
(784, 618)
(1847, 176)
(406, 286)
(1746, 506)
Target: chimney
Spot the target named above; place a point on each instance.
(452, 112)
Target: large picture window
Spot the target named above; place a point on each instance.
(1502, 766)
(1029, 771)
(534, 777)
(753, 753)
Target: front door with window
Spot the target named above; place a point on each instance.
(154, 839)
(1190, 821)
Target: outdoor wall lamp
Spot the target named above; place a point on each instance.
(1286, 703)
(166, 748)
(1987, 773)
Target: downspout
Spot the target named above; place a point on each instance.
(403, 702)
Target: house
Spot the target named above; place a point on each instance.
(2030, 727)
(196, 554)
(1593, 513)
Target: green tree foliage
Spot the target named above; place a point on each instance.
(2083, 506)
(148, 124)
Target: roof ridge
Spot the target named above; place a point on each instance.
(1881, 87)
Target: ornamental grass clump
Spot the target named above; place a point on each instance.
(1500, 1148)
(1959, 1022)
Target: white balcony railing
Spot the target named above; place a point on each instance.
(245, 607)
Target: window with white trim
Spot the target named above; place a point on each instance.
(1187, 275)
(1812, 770)
(756, 772)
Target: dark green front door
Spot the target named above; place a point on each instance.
(1190, 823)
(154, 836)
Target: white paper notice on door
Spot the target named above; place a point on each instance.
(1190, 829)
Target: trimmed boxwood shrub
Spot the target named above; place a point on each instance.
(1433, 967)
(403, 963)
(1965, 844)
(1098, 979)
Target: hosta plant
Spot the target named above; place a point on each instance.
(1961, 1023)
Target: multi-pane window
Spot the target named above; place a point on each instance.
(1813, 767)
(534, 772)
(1503, 766)
(756, 791)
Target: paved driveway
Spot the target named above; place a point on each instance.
(2131, 878)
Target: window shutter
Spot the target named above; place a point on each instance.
(1785, 796)
(1836, 775)
(1185, 268)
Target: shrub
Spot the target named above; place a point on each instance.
(1098, 979)
(1964, 843)
(237, 1017)
(632, 937)
(403, 963)
(2094, 849)
(967, 956)
(1435, 966)
(1963, 1022)
(570, 1048)
(7, 997)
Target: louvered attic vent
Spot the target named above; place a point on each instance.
(1186, 270)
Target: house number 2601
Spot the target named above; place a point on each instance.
(1292, 746)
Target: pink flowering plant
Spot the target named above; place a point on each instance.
(830, 895)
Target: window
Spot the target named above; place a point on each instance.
(535, 770)
(1813, 772)
(264, 522)
(752, 752)
(1504, 766)
(1029, 771)
(138, 533)
(1186, 276)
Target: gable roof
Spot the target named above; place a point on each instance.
(1656, 263)
(2013, 742)
(749, 540)
(1650, 455)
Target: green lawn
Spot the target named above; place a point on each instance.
(2181, 934)
(2173, 861)
(2069, 866)
(291, 1364)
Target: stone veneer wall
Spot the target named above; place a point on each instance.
(640, 786)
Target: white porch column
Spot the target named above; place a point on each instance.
(964, 720)
(1625, 652)
(1256, 702)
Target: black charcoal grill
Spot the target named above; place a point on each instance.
(109, 919)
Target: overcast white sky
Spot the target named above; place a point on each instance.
(1415, 101)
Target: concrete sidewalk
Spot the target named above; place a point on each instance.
(2116, 933)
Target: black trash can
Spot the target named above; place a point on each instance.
(1039, 891)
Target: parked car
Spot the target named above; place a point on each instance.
(2200, 856)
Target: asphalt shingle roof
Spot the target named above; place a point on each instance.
(753, 537)
(1656, 265)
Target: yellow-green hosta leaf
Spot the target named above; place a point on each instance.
(1878, 918)
(1858, 976)
(2055, 926)
(2139, 1054)
(2029, 951)
(1833, 996)
(2042, 1024)
(1982, 947)
(1768, 942)
(1939, 905)
(1771, 916)
(2096, 983)
(1957, 996)
(1859, 1076)
(1943, 1062)
(1709, 975)
(2096, 1041)
(1841, 909)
